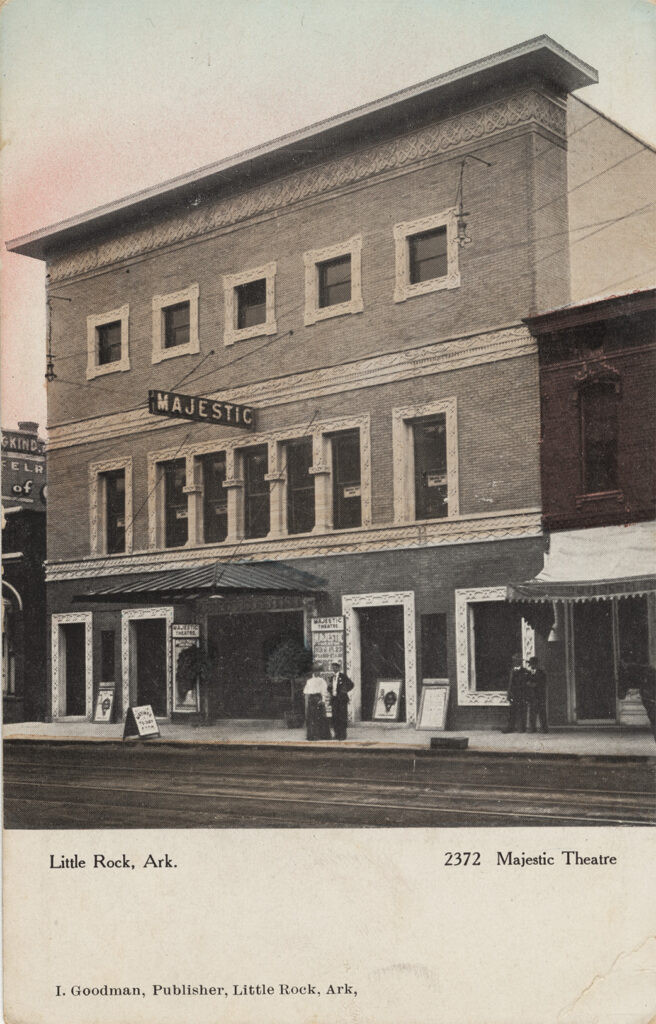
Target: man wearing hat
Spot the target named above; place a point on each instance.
(339, 688)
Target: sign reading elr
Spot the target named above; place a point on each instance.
(201, 410)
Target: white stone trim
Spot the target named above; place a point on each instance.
(462, 132)
(350, 604)
(232, 333)
(97, 507)
(129, 615)
(313, 312)
(403, 289)
(57, 681)
(404, 460)
(437, 357)
(468, 696)
(483, 527)
(98, 320)
(231, 445)
(160, 303)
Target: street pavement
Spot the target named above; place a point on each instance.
(168, 783)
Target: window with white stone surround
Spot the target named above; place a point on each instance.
(110, 506)
(250, 304)
(426, 255)
(333, 280)
(489, 630)
(108, 342)
(175, 324)
(425, 458)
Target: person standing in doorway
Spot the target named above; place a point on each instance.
(517, 695)
(316, 700)
(339, 688)
(536, 690)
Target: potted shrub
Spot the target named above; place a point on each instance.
(287, 662)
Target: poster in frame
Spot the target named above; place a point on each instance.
(387, 703)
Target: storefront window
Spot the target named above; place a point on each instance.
(176, 526)
(300, 486)
(497, 635)
(215, 498)
(347, 500)
(256, 491)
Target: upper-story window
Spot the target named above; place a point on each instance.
(257, 508)
(333, 280)
(425, 454)
(114, 488)
(431, 483)
(175, 503)
(175, 324)
(215, 498)
(599, 437)
(107, 342)
(346, 475)
(426, 255)
(300, 486)
(110, 506)
(249, 300)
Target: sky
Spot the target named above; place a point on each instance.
(101, 98)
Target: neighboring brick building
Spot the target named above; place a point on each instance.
(24, 623)
(598, 466)
(391, 475)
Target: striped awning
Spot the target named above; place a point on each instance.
(594, 565)
(206, 580)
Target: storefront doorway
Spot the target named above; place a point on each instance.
(239, 646)
(382, 654)
(150, 664)
(72, 640)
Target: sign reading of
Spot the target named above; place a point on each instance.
(201, 410)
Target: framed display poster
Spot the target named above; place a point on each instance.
(434, 704)
(186, 649)
(387, 703)
(104, 708)
(328, 642)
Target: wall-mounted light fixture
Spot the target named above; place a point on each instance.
(50, 359)
(462, 236)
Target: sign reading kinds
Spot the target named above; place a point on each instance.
(141, 722)
(434, 704)
(328, 642)
(186, 694)
(201, 410)
(104, 704)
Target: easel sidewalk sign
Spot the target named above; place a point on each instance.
(140, 723)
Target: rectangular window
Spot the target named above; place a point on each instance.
(176, 325)
(107, 656)
(256, 491)
(431, 485)
(300, 486)
(114, 482)
(175, 504)
(599, 407)
(497, 635)
(109, 343)
(215, 498)
(428, 255)
(347, 497)
(251, 303)
(334, 281)
(433, 646)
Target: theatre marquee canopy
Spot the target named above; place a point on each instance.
(208, 581)
(594, 564)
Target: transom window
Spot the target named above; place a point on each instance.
(300, 486)
(335, 281)
(251, 303)
(176, 325)
(175, 503)
(109, 343)
(427, 253)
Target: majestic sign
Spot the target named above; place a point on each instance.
(201, 410)
(23, 470)
(328, 642)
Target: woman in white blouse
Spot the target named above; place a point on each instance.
(316, 702)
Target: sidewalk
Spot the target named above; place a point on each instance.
(604, 742)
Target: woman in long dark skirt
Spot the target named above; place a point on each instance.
(316, 699)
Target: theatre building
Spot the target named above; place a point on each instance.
(296, 398)
(595, 596)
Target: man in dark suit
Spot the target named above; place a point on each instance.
(517, 695)
(536, 690)
(339, 688)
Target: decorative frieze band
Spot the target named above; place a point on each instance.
(438, 357)
(471, 529)
(529, 107)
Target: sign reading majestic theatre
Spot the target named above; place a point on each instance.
(201, 410)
